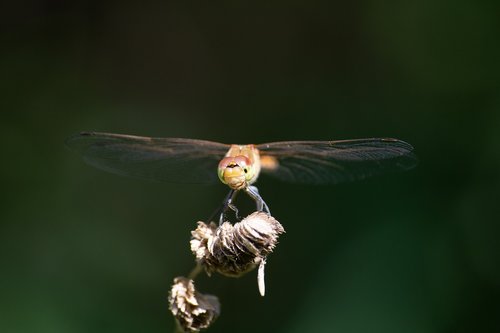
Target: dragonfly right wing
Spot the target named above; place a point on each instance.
(331, 162)
(162, 159)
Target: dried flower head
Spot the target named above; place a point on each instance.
(234, 250)
(192, 310)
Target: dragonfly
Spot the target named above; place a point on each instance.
(180, 160)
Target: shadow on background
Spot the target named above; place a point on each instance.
(86, 251)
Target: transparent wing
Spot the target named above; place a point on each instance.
(163, 159)
(331, 162)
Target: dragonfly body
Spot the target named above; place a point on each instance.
(198, 161)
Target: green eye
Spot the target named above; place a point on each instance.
(248, 173)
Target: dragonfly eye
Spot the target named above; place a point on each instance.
(239, 167)
(242, 161)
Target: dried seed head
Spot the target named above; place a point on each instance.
(199, 240)
(233, 250)
(192, 310)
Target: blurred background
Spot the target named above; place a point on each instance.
(86, 251)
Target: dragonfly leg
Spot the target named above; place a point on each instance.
(229, 205)
(253, 192)
(226, 205)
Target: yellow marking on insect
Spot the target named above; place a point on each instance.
(269, 162)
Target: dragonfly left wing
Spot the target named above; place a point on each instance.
(331, 162)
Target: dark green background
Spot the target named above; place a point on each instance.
(86, 251)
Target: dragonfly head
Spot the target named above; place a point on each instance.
(236, 171)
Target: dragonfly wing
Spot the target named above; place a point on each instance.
(331, 162)
(162, 159)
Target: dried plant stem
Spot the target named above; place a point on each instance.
(194, 273)
(229, 249)
(178, 329)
